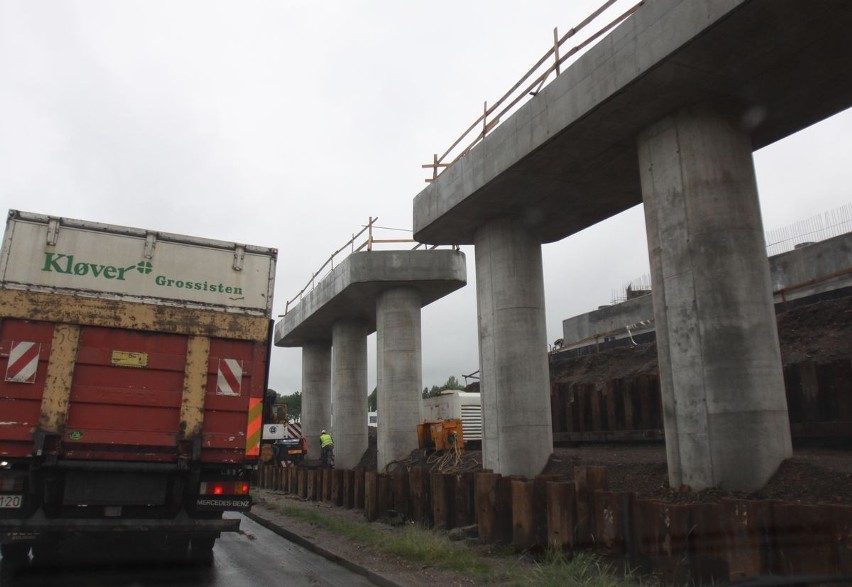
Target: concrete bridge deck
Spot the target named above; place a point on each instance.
(568, 158)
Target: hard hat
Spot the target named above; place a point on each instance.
(323, 432)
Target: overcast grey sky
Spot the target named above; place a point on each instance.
(287, 124)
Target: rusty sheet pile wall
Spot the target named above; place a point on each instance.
(680, 542)
(819, 397)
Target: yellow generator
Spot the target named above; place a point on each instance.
(440, 435)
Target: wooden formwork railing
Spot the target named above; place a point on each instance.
(363, 240)
(529, 85)
(726, 540)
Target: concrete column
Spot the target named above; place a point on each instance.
(316, 394)
(400, 373)
(349, 392)
(724, 405)
(515, 380)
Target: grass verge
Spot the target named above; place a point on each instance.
(420, 545)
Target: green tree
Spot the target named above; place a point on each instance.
(451, 383)
(294, 404)
(372, 400)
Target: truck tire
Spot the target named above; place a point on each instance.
(201, 549)
(15, 552)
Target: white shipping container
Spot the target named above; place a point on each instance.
(456, 405)
(63, 255)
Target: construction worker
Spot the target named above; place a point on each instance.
(327, 449)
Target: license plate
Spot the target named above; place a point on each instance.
(294, 452)
(11, 501)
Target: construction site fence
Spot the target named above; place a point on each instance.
(701, 542)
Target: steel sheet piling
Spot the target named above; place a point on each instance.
(399, 484)
(371, 496)
(464, 500)
(561, 516)
(443, 500)
(523, 515)
(419, 491)
(486, 500)
(587, 479)
(359, 488)
(348, 489)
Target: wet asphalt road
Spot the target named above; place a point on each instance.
(255, 556)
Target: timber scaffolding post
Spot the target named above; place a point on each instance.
(368, 244)
(530, 89)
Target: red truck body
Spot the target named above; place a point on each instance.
(121, 412)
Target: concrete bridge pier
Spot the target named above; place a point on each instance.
(400, 372)
(515, 381)
(724, 406)
(316, 393)
(349, 392)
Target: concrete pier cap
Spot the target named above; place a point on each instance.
(370, 291)
(352, 289)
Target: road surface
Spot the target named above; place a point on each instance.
(254, 556)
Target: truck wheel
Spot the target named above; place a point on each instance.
(201, 549)
(172, 548)
(15, 552)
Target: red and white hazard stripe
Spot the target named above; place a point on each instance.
(23, 362)
(230, 377)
